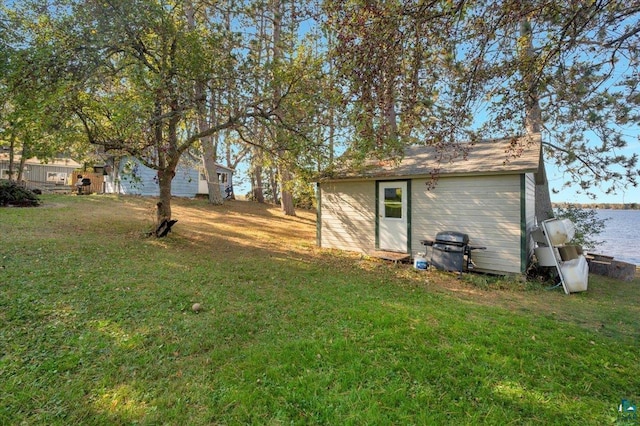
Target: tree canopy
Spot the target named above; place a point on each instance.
(434, 72)
(153, 79)
(31, 89)
(156, 78)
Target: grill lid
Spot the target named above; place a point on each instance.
(452, 237)
(449, 247)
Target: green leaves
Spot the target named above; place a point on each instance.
(383, 75)
(492, 64)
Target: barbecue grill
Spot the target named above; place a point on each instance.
(450, 251)
(83, 186)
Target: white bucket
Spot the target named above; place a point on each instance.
(420, 262)
(545, 256)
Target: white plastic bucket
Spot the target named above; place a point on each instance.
(420, 262)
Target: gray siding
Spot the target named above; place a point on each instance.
(487, 208)
(39, 172)
(184, 184)
(348, 219)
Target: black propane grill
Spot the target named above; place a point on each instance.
(450, 251)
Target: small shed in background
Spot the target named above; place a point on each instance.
(225, 179)
(489, 194)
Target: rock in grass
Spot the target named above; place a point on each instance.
(196, 307)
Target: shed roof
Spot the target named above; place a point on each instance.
(486, 157)
(55, 162)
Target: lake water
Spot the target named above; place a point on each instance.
(621, 235)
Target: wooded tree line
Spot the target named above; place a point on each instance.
(287, 85)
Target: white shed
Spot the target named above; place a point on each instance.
(489, 194)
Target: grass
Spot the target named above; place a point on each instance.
(96, 328)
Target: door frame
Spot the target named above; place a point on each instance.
(408, 211)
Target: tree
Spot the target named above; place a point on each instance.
(155, 79)
(30, 89)
(441, 71)
(587, 223)
(286, 148)
(217, 97)
(574, 61)
(402, 82)
(151, 71)
(533, 121)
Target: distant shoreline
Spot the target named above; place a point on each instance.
(611, 206)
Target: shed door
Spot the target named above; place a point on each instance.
(392, 216)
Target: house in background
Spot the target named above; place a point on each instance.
(128, 175)
(225, 179)
(52, 175)
(488, 194)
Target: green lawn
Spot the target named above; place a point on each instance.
(96, 327)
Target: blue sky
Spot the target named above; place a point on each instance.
(572, 194)
(575, 195)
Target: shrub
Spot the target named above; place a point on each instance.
(588, 224)
(12, 194)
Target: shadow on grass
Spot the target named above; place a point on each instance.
(98, 328)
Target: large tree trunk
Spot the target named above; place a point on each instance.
(211, 172)
(215, 195)
(209, 144)
(258, 188)
(332, 108)
(533, 125)
(390, 115)
(544, 208)
(257, 155)
(286, 199)
(12, 147)
(168, 159)
(164, 205)
(24, 156)
(273, 183)
(283, 171)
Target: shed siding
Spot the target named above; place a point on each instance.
(185, 182)
(348, 216)
(39, 172)
(530, 214)
(487, 208)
